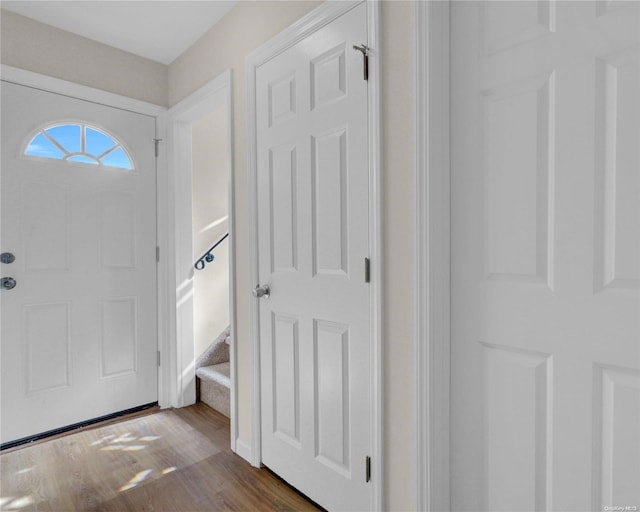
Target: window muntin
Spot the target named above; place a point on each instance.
(80, 143)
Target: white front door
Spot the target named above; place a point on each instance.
(545, 325)
(312, 166)
(78, 213)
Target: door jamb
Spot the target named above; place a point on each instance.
(432, 289)
(215, 94)
(83, 92)
(316, 19)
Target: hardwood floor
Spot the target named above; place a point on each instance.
(173, 460)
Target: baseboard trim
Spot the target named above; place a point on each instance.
(244, 450)
(75, 426)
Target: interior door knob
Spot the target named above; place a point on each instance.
(8, 283)
(261, 291)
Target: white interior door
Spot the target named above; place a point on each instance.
(78, 212)
(312, 166)
(545, 255)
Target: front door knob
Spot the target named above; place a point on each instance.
(8, 283)
(262, 291)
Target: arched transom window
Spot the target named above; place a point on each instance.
(81, 143)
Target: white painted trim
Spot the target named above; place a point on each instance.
(244, 450)
(376, 247)
(233, 307)
(432, 255)
(304, 27)
(211, 96)
(252, 183)
(50, 84)
(315, 20)
(63, 87)
(166, 324)
(205, 99)
(181, 246)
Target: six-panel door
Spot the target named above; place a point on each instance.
(312, 166)
(545, 268)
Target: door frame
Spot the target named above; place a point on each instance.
(83, 92)
(315, 20)
(213, 95)
(432, 267)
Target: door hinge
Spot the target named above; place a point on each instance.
(158, 358)
(365, 59)
(156, 142)
(367, 470)
(157, 254)
(367, 270)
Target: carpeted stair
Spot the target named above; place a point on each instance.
(213, 383)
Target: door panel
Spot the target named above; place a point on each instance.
(617, 245)
(313, 222)
(46, 221)
(545, 333)
(79, 329)
(47, 335)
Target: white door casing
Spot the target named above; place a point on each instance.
(432, 232)
(213, 95)
(545, 266)
(79, 332)
(313, 230)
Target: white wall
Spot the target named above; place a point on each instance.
(34, 46)
(209, 142)
(226, 46)
(398, 218)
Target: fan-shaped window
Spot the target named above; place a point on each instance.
(79, 143)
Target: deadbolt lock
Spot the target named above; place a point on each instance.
(8, 283)
(7, 257)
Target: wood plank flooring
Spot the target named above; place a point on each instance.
(173, 460)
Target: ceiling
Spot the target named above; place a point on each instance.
(159, 30)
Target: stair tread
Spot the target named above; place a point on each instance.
(217, 372)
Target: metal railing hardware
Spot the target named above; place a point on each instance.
(208, 256)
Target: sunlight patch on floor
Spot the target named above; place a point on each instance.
(103, 440)
(93, 469)
(123, 447)
(138, 478)
(15, 503)
(124, 438)
(119, 443)
(146, 439)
